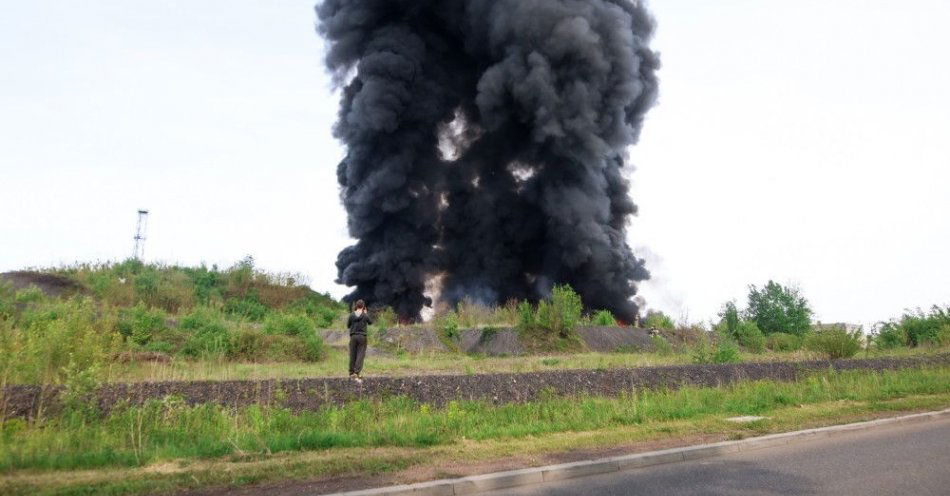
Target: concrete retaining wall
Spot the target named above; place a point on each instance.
(303, 394)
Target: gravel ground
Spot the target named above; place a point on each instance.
(304, 394)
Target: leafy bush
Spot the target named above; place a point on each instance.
(658, 320)
(320, 308)
(7, 300)
(248, 307)
(726, 352)
(891, 336)
(29, 295)
(943, 336)
(702, 351)
(917, 328)
(449, 325)
(776, 308)
(730, 318)
(288, 324)
(58, 343)
(208, 333)
(781, 341)
(140, 323)
(526, 317)
(258, 345)
(314, 348)
(248, 344)
(835, 343)
(661, 345)
(146, 286)
(385, 318)
(205, 283)
(604, 318)
(749, 336)
(561, 312)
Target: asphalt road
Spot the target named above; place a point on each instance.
(902, 460)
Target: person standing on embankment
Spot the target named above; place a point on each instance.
(357, 323)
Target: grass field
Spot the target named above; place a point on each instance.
(167, 444)
(335, 364)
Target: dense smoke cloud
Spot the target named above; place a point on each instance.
(486, 145)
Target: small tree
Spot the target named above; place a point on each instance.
(776, 308)
(561, 312)
(730, 318)
(658, 320)
(604, 318)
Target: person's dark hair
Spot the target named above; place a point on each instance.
(359, 305)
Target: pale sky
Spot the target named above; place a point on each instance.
(805, 142)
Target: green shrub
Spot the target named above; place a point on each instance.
(781, 341)
(59, 342)
(140, 323)
(449, 325)
(726, 352)
(324, 317)
(206, 283)
(661, 345)
(161, 347)
(146, 286)
(943, 336)
(208, 334)
(834, 343)
(288, 324)
(7, 300)
(776, 308)
(749, 336)
(702, 351)
(561, 312)
(254, 345)
(891, 336)
(604, 318)
(658, 320)
(730, 318)
(248, 307)
(314, 348)
(919, 328)
(315, 308)
(29, 295)
(248, 344)
(526, 317)
(385, 318)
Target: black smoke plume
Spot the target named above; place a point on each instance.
(486, 146)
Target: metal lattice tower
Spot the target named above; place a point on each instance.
(140, 228)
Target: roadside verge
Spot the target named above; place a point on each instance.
(516, 478)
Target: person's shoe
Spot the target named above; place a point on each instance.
(359, 379)
(354, 376)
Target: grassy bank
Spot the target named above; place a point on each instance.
(405, 364)
(174, 436)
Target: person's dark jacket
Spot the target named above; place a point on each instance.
(358, 324)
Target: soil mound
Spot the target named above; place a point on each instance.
(52, 285)
(615, 339)
(493, 343)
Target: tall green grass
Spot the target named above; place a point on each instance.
(168, 429)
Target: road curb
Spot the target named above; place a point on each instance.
(515, 478)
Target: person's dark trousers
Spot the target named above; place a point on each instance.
(357, 353)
